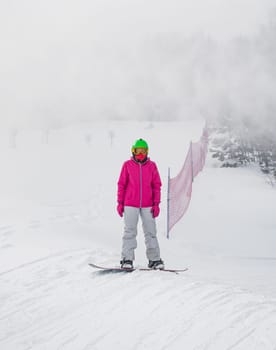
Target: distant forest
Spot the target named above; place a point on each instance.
(238, 144)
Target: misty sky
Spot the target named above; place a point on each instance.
(64, 60)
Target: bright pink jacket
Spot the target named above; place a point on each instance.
(139, 184)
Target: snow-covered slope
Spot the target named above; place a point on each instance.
(58, 213)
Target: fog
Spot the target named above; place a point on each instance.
(64, 61)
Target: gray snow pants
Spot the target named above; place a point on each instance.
(131, 216)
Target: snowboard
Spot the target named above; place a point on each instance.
(120, 269)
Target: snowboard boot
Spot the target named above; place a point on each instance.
(126, 264)
(156, 265)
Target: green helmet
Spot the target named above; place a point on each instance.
(140, 144)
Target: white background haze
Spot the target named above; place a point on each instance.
(67, 61)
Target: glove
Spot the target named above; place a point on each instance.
(120, 209)
(155, 210)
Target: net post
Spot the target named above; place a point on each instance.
(168, 205)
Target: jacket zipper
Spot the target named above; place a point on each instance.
(140, 185)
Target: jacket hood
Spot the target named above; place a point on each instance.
(135, 161)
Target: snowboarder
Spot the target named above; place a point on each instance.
(138, 194)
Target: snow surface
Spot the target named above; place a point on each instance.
(58, 203)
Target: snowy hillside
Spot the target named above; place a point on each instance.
(58, 212)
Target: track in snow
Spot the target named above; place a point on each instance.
(58, 303)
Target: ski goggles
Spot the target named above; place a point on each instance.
(137, 151)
